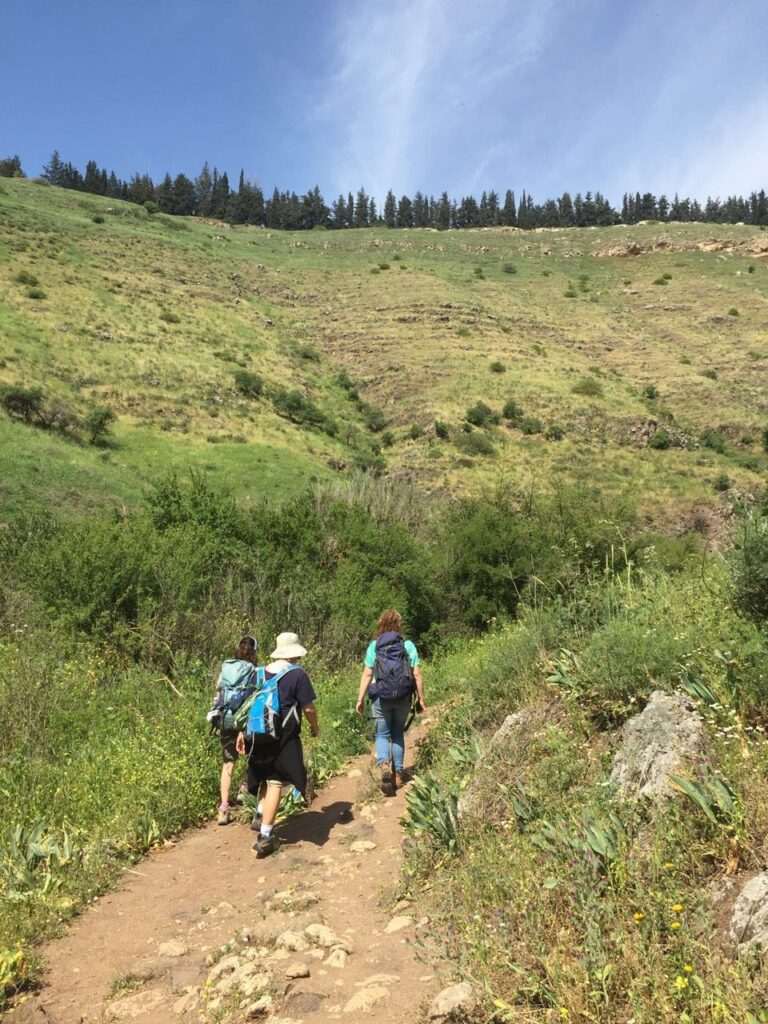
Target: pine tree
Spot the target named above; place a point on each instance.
(164, 195)
(361, 210)
(405, 213)
(203, 190)
(339, 213)
(53, 169)
(10, 167)
(442, 217)
(92, 182)
(565, 210)
(509, 211)
(390, 210)
(184, 196)
(219, 194)
(350, 215)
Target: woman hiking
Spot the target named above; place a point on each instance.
(235, 675)
(391, 676)
(277, 761)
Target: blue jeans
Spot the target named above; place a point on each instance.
(390, 717)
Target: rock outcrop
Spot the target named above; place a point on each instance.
(749, 919)
(656, 744)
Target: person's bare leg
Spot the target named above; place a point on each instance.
(226, 780)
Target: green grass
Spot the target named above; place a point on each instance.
(153, 316)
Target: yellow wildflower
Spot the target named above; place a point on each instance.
(687, 967)
(681, 983)
(678, 907)
(675, 924)
(638, 916)
(669, 865)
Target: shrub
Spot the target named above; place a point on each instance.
(151, 207)
(383, 266)
(764, 439)
(387, 439)
(570, 293)
(660, 439)
(442, 430)
(660, 280)
(463, 332)
(497, 367)
(722, 482)
(345, 381)
(531, 425)
(667, 276)
(510, 268)
(589, 387)
(170, 317)
(650, 391)
(748, 561)
(248, 383)
(710, 374)
(416, 432)
(474, 444)
(512, 411)
(22, 403)
(733, 311)
(98, 422)
(396, 257)
(481, 415)
(713, 439)
(375, 420)
(35, 293)
(97, 219)
(375, 270)
(554, 432)
(478, 272)
(24, 277)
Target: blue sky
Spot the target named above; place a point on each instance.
(462, 95)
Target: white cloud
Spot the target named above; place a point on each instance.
(411, 76)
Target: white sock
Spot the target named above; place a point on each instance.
(266, 830)
(260, 809)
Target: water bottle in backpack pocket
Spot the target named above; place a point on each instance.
(392, 672)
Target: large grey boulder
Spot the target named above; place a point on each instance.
(749, 919)
(656, 744)
(455, 1003)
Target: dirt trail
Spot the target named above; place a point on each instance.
(171, 914)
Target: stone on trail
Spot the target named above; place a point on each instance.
(749, 920)
(322, 936)
(366, 999)
(136, 1005)
(297, 970)
(398, 923)
(362, 846)
(336, 958)
(379, 979)
(227, 965)
(655, 744)
(453, 1002)
(187, 1002)
(294, 941)
(260, 1008)
(175, 947)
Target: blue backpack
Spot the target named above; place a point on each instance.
(392, 672)
(236, 683)
(260, 717)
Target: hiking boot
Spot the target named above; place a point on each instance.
(387, 781)
(223, 817)
(265, 845)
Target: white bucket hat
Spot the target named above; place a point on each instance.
(287, 646)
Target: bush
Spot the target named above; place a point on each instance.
(474, 444)
(660, 280)
(497, 367)
(22, 403)
(25, 277)
(98, 422)
(442, 430)
(570, 292)
(733, 311)
(660, 439)
(387, 439)
(531, 425)
(478, 272)
(509, 268)
(589, 387)
(35, 293)
(383, 266)
(170, 317)
(512, 411)
(650, 391)
(97, 219)
(751, 268)
(293, 405)
(710, 374)
(713, 439)
(416, 432)
(554, 432)
(722, 482)
(748, 561)
(481, 415)
(375, 420)
(248, 383)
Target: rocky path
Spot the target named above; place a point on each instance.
(310, 935)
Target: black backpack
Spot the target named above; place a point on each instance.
(392, 673)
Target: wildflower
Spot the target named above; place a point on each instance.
(677, 908)
(675, 925)
(681, 983)
(638, 916)
(564, 1015)
(669, 865)
(687, 968)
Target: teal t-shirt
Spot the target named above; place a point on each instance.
(410, 650)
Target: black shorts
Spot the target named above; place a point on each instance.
(228, 745)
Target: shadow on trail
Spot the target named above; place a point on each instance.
(316, 826)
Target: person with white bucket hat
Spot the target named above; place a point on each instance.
(277, 761)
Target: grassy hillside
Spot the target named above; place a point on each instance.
(591, 332)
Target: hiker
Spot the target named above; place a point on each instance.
(276, 761)
(391, 676)
(235, 675)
